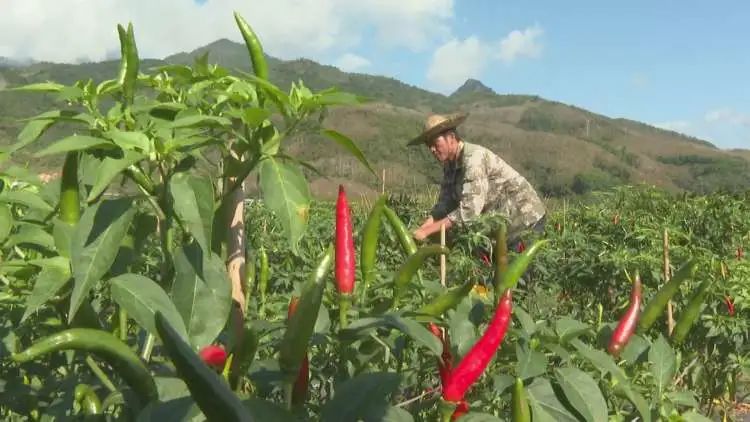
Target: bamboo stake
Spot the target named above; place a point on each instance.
(667, 276)
(382, 188)
(442, 256)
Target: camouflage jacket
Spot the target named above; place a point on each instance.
(480, 182)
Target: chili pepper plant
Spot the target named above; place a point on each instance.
(146, 283)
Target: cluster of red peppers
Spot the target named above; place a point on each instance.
(456, 381)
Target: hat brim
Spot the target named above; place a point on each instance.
(451, 122)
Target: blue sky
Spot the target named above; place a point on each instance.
(679, 65)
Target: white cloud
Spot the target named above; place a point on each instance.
(350, 62)
(724, 127)
(681, 126)
(68, 30)
(523, 43)
(456, 61)
(729, 116)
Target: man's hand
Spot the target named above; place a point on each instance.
(419, 234)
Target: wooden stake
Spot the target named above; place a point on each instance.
(667, 276)
(382, 189)
(442, 257)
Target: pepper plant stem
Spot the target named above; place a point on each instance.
(100, 374)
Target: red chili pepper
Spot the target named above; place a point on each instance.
(214, 356)
(461, 409)
(485, 259)
(446, 364)
(740, 253)
(520, 247)
(730, 305)
(345, 261)
(476, 360)
(299, 392)
(628, 321)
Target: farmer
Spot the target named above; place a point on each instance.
(475, 182)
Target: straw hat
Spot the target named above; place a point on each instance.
(435, 124)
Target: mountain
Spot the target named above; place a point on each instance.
(561, 148)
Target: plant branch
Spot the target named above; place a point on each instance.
(100, 374)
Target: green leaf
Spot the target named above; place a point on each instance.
(26, 198)
(109, 169)
(193, 198)
(201, 293)
(420, 334)
(663, 364)
(39, 87)
(502, 382)
(355, 398)
(199, 120)
(63, 236)
(545, 405)
(683, 398)
(130, 141)
(392, 414)
(29, 234)
(583, 393)
(254, 117)
(568, 328)
(693, 416)
(531, 363)
(527, 322)
(95, 244)
(31, 132)
(606, 364)
(6, 222)
(262, 410)
(350, 146)
(635, 348)
(141, 297)
(54, 275)
(286, 193)
(74, 143)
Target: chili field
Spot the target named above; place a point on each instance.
(179, 297)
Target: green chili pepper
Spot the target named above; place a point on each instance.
(243, 356)
(129, 63)
(102, 343)
(254, 47)
(210, 392)
(300, 325)
(446, 301)
(516, 269)
(404, 237)
(501, 258)
(656, 306)
(249, 277)
(263, 279)
(410, 267)
(369, 247)
(86, 397)
(691, 313)
(520, 407)
(70, 204)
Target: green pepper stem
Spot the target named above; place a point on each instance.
(148, 346)
(446, 410)
(100, 374)
(289, 393)
(123, 321)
